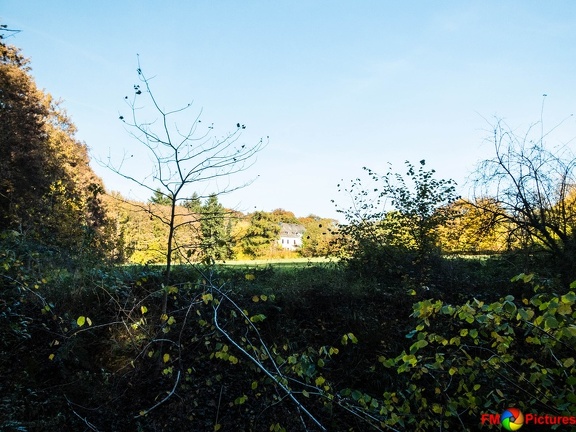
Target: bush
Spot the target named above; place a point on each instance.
(392, 227)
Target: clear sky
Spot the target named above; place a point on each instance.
(336, 85)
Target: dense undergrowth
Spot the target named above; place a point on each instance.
(313, 347)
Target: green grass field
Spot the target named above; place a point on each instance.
(293, 262)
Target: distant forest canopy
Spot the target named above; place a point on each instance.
(211, 231)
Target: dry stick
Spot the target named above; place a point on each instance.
(352, 410)
(239, 309)
(289, 393)
(218, 409)
(85, 420)
(506, 365)
(263, 369)
(168, 396)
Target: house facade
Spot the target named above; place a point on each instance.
(291, 236)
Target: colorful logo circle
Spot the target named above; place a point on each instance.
(512, 419)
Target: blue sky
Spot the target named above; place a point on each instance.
(336, 85)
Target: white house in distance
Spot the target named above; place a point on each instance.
(291, 236)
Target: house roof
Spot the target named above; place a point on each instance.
(291, 230)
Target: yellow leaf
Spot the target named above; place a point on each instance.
(255, 299)
(143, 309)
(263, 297)
(163, 317)
(217, 427)
(568, 362)
(81, 320)
(171, 320)
(319, 381)
(150, 354)
(249, 277)
(89, 321)
(166, 358)
(51, 357)
(254, 385)
(206, 298)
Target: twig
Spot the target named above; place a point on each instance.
(168, 396)
(276, 379)
(219, 401)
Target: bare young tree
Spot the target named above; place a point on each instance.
(533, 187)
(183, 157)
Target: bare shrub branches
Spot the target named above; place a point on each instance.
(531, 185)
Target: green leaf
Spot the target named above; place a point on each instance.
(258, 318)
(564, 309)
(81, 321)
(550, 322)
(240, 400)
(356, 395)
